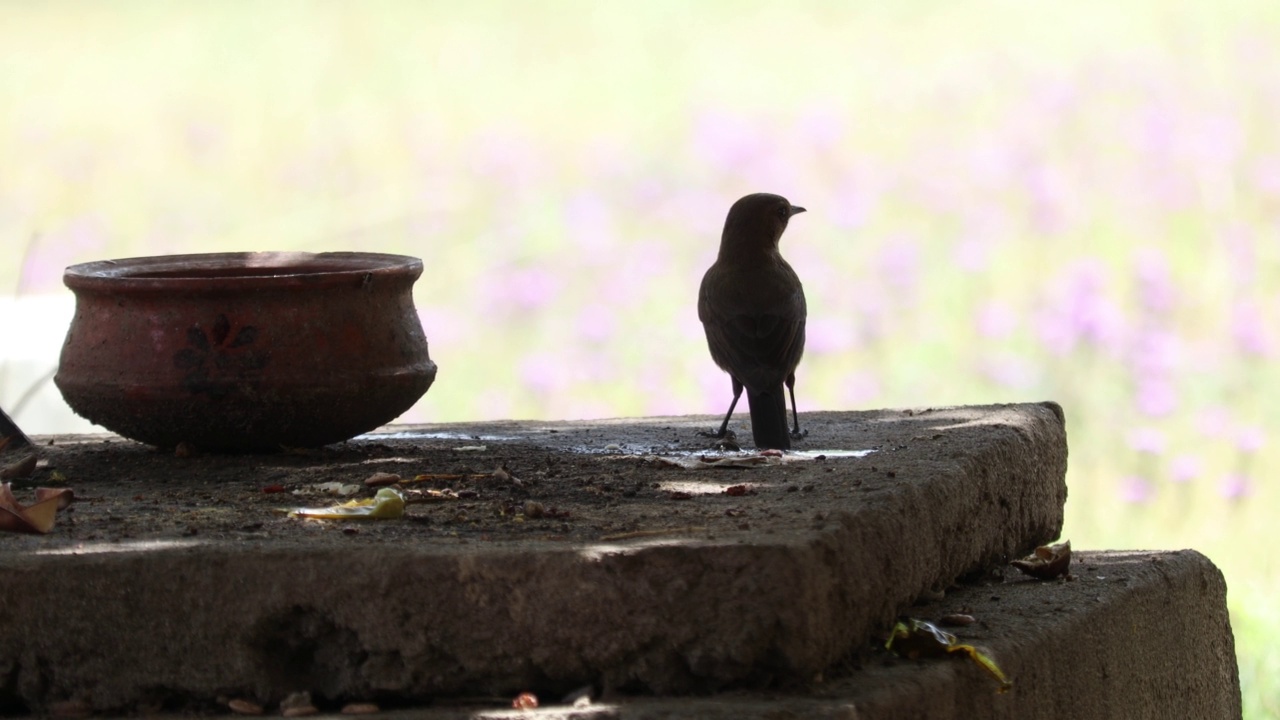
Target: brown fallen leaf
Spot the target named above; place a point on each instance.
(445, 477)
(36, 518)
(19, 469)
(241, 706)
(381, 479)
(1048, 561)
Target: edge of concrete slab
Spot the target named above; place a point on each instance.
(130, 629)
(1136, 635)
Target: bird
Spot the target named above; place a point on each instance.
(751, 304)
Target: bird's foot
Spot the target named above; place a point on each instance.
(726, 440)
(798, 434)
(728, 444)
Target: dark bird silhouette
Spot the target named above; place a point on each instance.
(751, 305)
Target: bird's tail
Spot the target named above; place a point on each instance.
(769, 418)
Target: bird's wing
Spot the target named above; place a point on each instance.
(753, 331)
(759, 350)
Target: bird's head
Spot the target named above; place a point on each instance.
(758, 218)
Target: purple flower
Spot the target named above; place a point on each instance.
(1250, 439)
(1241, 247)
(1136, 490)
(1212, 422)
(899, 265)
(530, 287)
(546, 372)
(830, 334)
(822, 126)
(1184, 468)
(996, 320)
(1147, 440)
(597, 322)
(851, 206)
(1156, 396)
(690, 328)
(507, 156)
(1048, 199)
(1010, 370)
(1266, 175)
(1156, 293)
(639, 269)
(992, 163)
(1250, 330)
(1158, 142)
(1079, 311)
(859, 389)
(1216, 140)
(1235, 486)
(971, 255)
(589, 222)
(728, 142)
(1155, 352)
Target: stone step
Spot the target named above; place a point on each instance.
(636, 576)
(1134, 635)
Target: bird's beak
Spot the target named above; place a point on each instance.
(796, 209)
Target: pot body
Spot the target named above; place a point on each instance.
(245, 351)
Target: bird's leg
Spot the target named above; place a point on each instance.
(724, 426)
(796, 432)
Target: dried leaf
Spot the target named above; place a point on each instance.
(445, 477)
(387, 504)
(1048, 562)
(339, 489)
(913, 638)
(36, 518)
(381, 479)
(241, 706)
(19, 468)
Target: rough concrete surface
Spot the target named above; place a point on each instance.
(1134, 635)
(398, 613)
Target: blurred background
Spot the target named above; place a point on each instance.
(1007, 201)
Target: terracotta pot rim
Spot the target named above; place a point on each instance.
(239, 270)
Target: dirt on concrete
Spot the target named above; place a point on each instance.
(487, 482)
(539, 556)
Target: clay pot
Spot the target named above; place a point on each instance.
(245, 351)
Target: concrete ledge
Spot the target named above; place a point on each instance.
(1136, 635)
(406, 614)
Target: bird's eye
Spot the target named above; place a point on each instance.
(784, 212)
